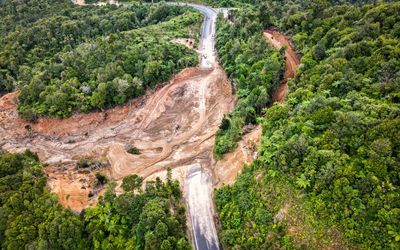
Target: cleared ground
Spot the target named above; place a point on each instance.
(292, 61)
(172, 126)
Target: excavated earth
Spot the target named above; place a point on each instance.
(292, 61)
(172, 126)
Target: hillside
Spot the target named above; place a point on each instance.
(327, 172)
(63, 59)
(152, 218)
(270, 124)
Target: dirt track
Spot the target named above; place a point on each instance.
(279, 40)
(172, 126)
(227, 169)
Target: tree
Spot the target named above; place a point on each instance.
(99, 96)
(131, 182)
(319, 51)
(101, 178)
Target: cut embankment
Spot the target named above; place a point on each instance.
(171, 126)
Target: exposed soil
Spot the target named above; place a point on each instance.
(82, 2)
(188, 42)
(79, 2)
(279, 40)
(227, 169)
(172, 126)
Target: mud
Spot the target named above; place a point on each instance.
(172, 126)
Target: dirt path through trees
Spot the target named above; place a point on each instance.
(279, 40)
(172, 126)
(232, 163)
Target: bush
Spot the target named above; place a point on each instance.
(133, 150)
(84, 163)
(254, 66)
(89, 163)
(131, 182)
(101, 178)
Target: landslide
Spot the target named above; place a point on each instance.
(172, 126)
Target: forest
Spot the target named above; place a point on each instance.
(65, 58)
(327, 173)
(140, 218)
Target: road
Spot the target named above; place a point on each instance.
(198, 190)
(198, 186)
(207, 41)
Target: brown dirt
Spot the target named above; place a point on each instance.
(226, 169)
(171, 126)
(79, 2)
(188, 42)
(279, 40)
(73, 187)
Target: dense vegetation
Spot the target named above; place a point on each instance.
(65, 58)
(31, 217)
(33, 30)
(255, 70)
(328, 168)
(107, 71)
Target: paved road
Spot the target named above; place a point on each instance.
(198, 186)
(207, 41)
(198, 191)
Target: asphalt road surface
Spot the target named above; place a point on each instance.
(198, 186)
(199, 195)
(207, 41)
